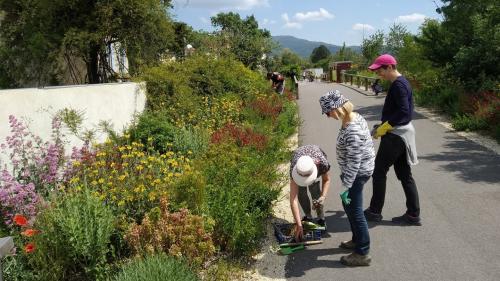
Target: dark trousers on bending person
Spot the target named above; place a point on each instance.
(392, 151)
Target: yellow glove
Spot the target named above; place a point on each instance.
(382, 130)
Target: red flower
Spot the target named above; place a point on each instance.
(29, 248)
(20, 220)
(29, 232)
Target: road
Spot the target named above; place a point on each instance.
(459, 188)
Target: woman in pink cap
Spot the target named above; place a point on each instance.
(397, 145)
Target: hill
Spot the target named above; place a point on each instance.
(304, 47)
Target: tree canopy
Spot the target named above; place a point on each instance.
(242, 37)
(319, 53)
(41, 37)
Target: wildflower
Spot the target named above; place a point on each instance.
(29, 232)
(20, 220)
(29, 248)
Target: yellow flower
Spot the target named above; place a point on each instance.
(121, 203)
(101, 181)
(139, 167)
(74, 180)
(93, 183)
(76, 163)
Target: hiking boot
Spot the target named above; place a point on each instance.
(371, 216)
(322, 224)
(407, 220)
(349, 245)
(356, 259)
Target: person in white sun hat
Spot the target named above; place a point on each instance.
(308, 172)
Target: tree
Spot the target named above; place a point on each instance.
(242, 38)
(373, 46)
(43, 36)
(396, 38)
(346, 54)
(319, 53)
(466, 42)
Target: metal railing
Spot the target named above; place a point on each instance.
(358, 80)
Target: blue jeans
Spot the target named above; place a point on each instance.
(354, 211)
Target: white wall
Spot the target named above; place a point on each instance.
(114, 102)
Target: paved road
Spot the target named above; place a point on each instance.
(459, 188)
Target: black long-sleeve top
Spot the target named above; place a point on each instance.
(398, 105)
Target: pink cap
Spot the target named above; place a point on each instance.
(384, 59)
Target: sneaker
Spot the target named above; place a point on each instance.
(349, 245)
(322, 224)
(407, 220)
(356, 259)
(371, 216)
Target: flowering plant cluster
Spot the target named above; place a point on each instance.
(35, 169)
(241, 136)
(130, 178)
(268, 107)
(28, 233)
(179, 234)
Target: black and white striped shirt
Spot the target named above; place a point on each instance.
(355, 151)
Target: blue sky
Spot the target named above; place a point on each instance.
(333, 21)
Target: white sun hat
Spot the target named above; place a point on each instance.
(305, 172)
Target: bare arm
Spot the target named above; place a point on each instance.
(294, 191)
(326, 184)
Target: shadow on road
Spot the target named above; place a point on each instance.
(470, 161)
(300, 262)
(374, 112)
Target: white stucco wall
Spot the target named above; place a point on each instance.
(114, 102)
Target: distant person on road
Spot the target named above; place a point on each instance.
(355, 156)
(397, 144)
(277, 82)
(309, 165)
(376, 87)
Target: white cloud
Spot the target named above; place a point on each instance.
(322, 14)
(413, 18)
(290, 24)
(222, 4)
(363, 26)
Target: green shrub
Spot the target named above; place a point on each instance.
(468, 123)
(241, 186)
(156, 268)
(154, 128)
(74, 239)
(288, 120)
(179, 234)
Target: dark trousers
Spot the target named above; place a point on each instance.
(354, 211)
(392, 151)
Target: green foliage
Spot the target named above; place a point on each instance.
(466, 42)
(156, 268)
(288, 120)
(179, 234)
(74, 238)
(373, 46)
(43, 37)
(16, 268)
(395, 40)
(319, 53)
(242, 38)
(155, 128)
(241, 186)
(468, 123)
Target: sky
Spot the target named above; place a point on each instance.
(329, 21)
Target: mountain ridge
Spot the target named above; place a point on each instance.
(304, 47)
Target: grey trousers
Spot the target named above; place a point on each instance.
(305, 201)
